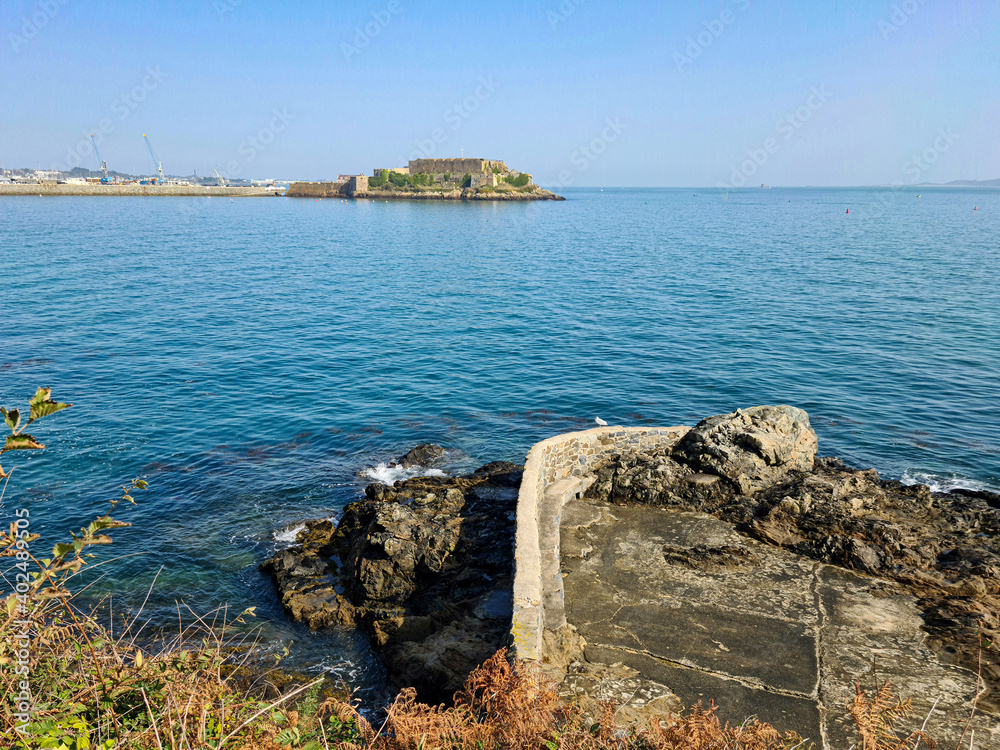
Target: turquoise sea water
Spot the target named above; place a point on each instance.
(251, 358)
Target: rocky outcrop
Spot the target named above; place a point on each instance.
(423, 567)
(752, 448)
(464, 194)
(756, 470)
(425, 454)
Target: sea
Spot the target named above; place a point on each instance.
(259, 361)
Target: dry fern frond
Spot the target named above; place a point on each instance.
(876, 716)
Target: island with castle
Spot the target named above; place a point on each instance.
(432, 179)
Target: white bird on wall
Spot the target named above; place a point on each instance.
(600, 421)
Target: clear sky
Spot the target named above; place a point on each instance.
(576, 92)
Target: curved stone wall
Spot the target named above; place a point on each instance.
(556, 470)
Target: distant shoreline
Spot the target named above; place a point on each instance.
(133, 189)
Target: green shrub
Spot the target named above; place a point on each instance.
(467, 181)
(379, 179)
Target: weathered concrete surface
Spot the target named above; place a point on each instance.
(563, 460)
(677, 606)
(141, 190)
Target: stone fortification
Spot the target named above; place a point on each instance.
(456, 167)
(318, 189)
(349, 185)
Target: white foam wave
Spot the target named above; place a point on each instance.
(289, 534)
(389, 474)
(945, 483)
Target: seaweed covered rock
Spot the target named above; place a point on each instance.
(423, 567)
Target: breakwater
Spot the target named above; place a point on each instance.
(143, 190)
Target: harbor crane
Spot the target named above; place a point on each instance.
(157, 164)
(219, 177)
(101, 164)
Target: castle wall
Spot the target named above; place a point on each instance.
(318, 189)
(456, 167)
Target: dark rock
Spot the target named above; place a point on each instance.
(654, 478)
(864, 558)
(992, 498)
(502, 472)
(425, 568)
(425, 454)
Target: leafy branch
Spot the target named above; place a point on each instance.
(40, 405)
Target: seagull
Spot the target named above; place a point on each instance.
(600, 421)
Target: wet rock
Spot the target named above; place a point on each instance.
(753, 448)
(425, 454)
(992, 498)
(424, 568)
(307, 590)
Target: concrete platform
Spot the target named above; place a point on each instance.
(677, 607)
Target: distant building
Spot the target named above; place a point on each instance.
(485, 180)
(357, 183)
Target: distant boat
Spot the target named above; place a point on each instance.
(765, 187)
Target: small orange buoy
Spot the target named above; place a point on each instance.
(976, 208)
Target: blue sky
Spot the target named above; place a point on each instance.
(578, 93)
